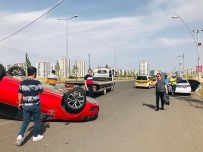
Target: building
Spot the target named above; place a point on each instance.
(144, 68)
(43, 69)
(80, 65)
(20, 64)
(63, 71)
(154, 72)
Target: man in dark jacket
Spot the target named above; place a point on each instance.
(161, 89)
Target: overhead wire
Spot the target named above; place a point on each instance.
(20, 52)
(9, 36)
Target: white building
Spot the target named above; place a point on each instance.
(20, 64)
(144, 68)
(80, 68)
(63, 72)
(43, 69)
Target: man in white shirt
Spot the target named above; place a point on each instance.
(52, 78)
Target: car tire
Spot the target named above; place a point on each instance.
(2, 71)
(16, 71)
(104, 91)
(112, 88)
(75, 100)
(149, 86)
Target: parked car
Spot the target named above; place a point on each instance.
(57, 103)
(182, 86)
(144, 81)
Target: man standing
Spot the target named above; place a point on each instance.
(89, 84)
(173, 82)
(166, 80)
(52, 78)
(29, 101)
(161, 89)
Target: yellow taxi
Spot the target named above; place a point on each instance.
(144, 81)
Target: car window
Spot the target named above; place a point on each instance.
(183, 81)
(102, 71)
(141, 78)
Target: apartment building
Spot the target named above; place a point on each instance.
(80, 68)
(144, 68)
(43, 69)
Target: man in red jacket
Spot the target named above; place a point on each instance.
(89, 83)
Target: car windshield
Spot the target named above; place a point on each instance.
(141, 78)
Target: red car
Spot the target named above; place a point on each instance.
(56, 103)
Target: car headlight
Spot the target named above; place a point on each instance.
(92, 100)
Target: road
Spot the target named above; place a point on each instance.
(127, 122)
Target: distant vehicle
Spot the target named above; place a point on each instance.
(103, 80)
(182, 86)
(144, 81)
(57, 103)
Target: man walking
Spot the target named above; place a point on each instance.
(89, 84)
(161, 89)
(29, 101)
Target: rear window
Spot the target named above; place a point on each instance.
(183, 81)
(102, 71)
(141, 78)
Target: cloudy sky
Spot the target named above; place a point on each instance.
(128, 30)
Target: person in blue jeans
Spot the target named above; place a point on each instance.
(166, 81)
(29, 101)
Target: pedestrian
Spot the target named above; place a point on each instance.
(166, 80)
(161, 89)
(89, 84)
(173, 81)
(52, 78)
(29, 101)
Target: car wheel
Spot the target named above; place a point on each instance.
(149, 86)
(16, 71)
(104, 91)
(112, 88)
(2, 71)
(75, 100)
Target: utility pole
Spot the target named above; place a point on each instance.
(89, 61)
(179, 65)
(183, 64)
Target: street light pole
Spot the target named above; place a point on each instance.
(67, 71)
(197, 43)
(115, 47)
(198, 52)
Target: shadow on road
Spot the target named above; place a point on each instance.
(150, 106)
(43, 127)
(191, 100)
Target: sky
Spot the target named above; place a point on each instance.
(117, 33)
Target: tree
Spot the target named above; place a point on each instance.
(27, 61)
(57, 68)
(75, 71)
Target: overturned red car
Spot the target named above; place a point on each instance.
(57, 103)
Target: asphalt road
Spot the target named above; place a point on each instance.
(127, 122)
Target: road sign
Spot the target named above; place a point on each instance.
(198, 68)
